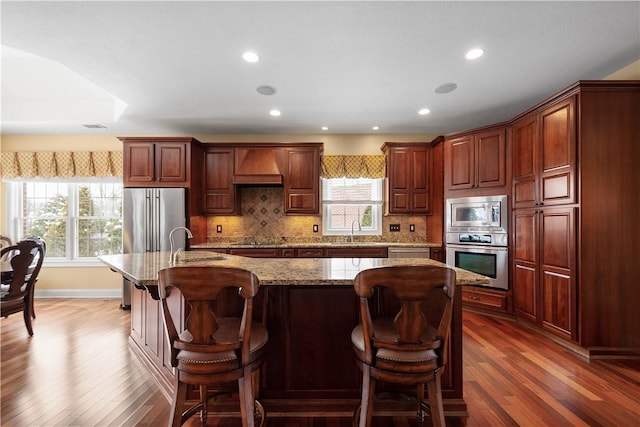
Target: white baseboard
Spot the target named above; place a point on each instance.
(79, 293)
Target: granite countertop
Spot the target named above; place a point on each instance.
(142, 268)
(313, 244)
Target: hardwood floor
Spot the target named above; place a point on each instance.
(77, 370)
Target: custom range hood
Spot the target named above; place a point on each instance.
(258, 166)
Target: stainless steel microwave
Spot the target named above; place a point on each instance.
(482, 213)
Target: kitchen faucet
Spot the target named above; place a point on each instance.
(173, 257)
(359, 227)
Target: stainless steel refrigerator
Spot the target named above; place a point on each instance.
(149, 215)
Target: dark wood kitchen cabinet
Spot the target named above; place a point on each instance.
(409, 181)
(575, 205)
(544, 270)
(485, 299)
(572, 178)
(317, 361)
(256, 252)
(159, 162)
(295, 166)
(219, 195)
(357, 252)
(308, 252)
(147, 330)
(311, 327)
(544, 218)
(476, 162)
(302, 179)
(544, 155)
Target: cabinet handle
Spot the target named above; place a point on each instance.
(475, 298)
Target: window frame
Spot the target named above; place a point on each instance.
(13, 199)
(376, 213)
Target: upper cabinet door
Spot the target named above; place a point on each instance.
(139, 165)
(171, 162)
(524, 141)
(421, 167)
(219, 194)
(399, 180)
(461, 163)
(158, 162)
(476, 161)
(558, 154)
(302, 181)
(409, 180)
(490, 154)
(544, 153)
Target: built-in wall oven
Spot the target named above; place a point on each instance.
(477, 237)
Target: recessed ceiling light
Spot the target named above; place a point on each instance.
(324, 128)
(376, 128)
(424, 111)
(250, 57)
(266, 90)
(446, 88)
(474, 54)
(275, 113)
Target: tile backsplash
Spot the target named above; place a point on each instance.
(263, 220)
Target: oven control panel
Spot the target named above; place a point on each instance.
(479, 239)
(475, 238)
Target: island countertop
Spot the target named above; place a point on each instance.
(142, 268)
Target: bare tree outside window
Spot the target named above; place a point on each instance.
(78, 221)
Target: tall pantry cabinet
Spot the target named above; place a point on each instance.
(575, 199)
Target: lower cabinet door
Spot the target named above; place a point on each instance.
(310, 352)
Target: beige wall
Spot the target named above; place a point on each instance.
(630, 72)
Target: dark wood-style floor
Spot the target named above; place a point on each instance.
(77, 370)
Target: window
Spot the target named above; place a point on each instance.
(346, 200)
(78, 220)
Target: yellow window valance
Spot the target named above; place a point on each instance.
(61, 164)
(366, 166)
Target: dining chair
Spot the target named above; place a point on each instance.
(210, 350)
(408, 346)
(17, 290)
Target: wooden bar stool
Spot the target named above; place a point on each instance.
(409, 347)
(209, 350)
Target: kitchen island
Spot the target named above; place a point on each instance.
(309, 307)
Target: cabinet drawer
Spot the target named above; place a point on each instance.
(310, 253)
(496, 300)
(256, 253)
(288, 253)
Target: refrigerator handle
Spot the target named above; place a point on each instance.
(156, 220)
(148, 233)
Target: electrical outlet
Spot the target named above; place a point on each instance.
(315, 228)
(218, 228)
(394, 227)
(412, 227)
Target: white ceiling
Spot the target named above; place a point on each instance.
(345, 65)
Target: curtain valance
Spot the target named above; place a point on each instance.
(366, 166)
(61, 164)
